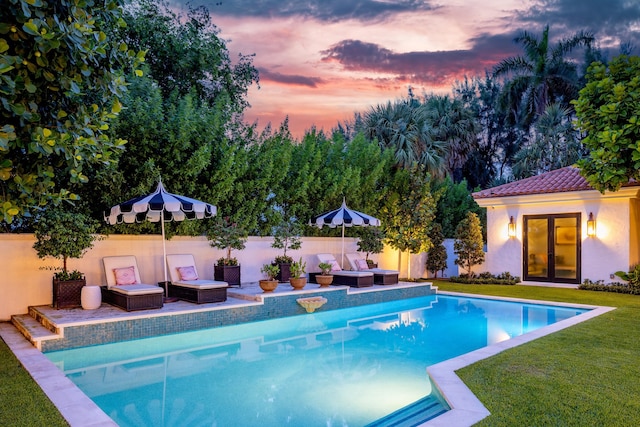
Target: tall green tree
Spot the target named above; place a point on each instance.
(543, 75)
(437, 255)
(185, 54)
(468, 244)
(61, 79)
(491, 157)
(408, 212)
(608, 113)
(454, 201)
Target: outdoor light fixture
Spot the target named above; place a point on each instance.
(512, 227)
(591, 225)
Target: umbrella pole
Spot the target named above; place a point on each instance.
(164, 253)
(342, 244)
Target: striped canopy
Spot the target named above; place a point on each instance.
(345, 217)
(159, 204)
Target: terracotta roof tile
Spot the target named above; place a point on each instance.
(556, 181)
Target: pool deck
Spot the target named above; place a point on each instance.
(79, 410)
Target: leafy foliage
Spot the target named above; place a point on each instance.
(468, 244)
(555, 144)
(61, 79)
(437, 254)
(408, 212)
(454, 201)
(487, 278)
(63, 234)
(325, 268)
(371, 241)
(607, 111)
(223, 234)
(298, 268)
(270, 271)
(287, 236)
(541, 76)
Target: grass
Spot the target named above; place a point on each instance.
(584, 375)
(22, 402)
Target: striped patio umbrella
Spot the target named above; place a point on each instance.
(159, 206)
(344, 217)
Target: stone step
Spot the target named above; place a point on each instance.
(413, 415)
(33, 330)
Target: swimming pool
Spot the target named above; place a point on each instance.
(346, 367)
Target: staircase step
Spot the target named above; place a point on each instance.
(33, 330)
(412, 415)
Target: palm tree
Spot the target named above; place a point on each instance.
(403, 127)
(455, 127)
(555, 144)
(541, 77)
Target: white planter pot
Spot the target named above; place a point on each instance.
(91, 297)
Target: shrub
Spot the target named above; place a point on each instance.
(486, 278)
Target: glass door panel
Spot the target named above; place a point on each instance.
(537, 233)
(565, 248)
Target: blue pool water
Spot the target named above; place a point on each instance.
(346, 367)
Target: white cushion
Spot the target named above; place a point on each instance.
(139, 289)
(201, 284)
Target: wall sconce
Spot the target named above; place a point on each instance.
(512, 227)
(591, 225)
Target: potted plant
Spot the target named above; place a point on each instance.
(286, 236)
(270, 283)
(298, 278)
(325, 278)
(371, 243)
(62, 234)
(227, 235)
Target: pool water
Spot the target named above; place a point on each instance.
(346, 367)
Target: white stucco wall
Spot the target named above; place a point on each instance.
(613, 249)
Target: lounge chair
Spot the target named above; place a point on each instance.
(125, 289)
(356, 279)
(188, 286)
(380, 275)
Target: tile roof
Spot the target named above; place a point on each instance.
(556, 181)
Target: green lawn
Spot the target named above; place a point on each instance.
(22, 402)
(586, 375)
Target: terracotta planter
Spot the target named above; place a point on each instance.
(268, 285)
(298, 283)
(324, 281)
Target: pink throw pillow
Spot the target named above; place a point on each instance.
(187, 273)
(334, 265)
(362, 264)
(125, 276)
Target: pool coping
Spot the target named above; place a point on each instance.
(466, 409)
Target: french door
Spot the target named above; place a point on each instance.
(552, 245)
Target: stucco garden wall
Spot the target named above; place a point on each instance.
(23, 281)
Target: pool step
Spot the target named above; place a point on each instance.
(415, 414)
(32, 329)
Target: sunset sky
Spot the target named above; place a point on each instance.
(321, 61)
